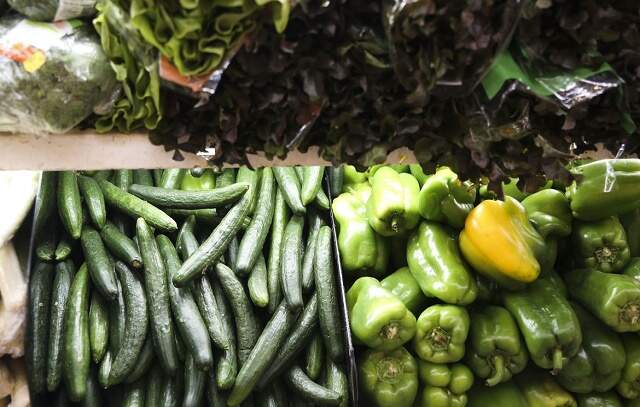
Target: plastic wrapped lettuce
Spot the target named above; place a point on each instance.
(52, 76)
(54, 10)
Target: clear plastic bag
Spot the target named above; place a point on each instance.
(54, 10)
(52, 76)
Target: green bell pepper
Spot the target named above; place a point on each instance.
(388, 379)
(378, 318)
(402, 284)
(437, 265)
(547, 322)
(352, 177)
(206, 180)
(613, 298)
(631, 223)
(605, 188)
(541, 390)
(503, 395)
(417, 171)
(399, 168)
(598, 364)
(511, 189)
(601, 245)
(549, 212)
(629, 385)
(632, 269)
(362, 251)
(608, 399)
(393, 207)
(398, 247)
(441, 332)
(444, 385)
(444, 198)
(496, 351)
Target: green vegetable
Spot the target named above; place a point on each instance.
(194, 382)
(441, 332)
(228, 362)
(540, 389)
(393, 207)
(98, 327)
(631, 223)
(336, 179)
(445, 198)
(311, 183)
(257, 283)
(504, 394)
(291, 267)
(64, 248)
(133, 394)
(388, 379)
(315, 223)
(121, 246)
(101, 268)
(69, 203)
(278, 225)
(180, 199)
(336, 380)
(549, 212)
(314, 359)
(609, 399)
(77, 354)
(310, 390)
(629, 386)
(289, 184)
(93, 198)
(601, 245)
(444, 385)
(143, 363)
(38, 317)
(403, 285)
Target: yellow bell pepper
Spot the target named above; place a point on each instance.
(499, 241)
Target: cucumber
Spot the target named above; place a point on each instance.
(194, 382)
(203, 294)
(143, 177)
(47, 241)
(186, 241)
(104, 369)
(268, 400)
(336, 180)
(264, 351)
(37, 335)
(290, 187)
(64, 248)
(102, 174)
(232, 253)
(94, 200)
(291, 267)
(121, 246)
(77, 354)
(311, 391)
(157, 291)
(137, 322)
(206, 216)
(172, 178)
(327, 289)
(46, 202)
(215, 245)
(117, 321)
(101, 269)
(182, 352)
(145, 359)
(337, 381)
(197, 172)
(311, 183)
(257, 284)
(98, 327)
(315, 223)
(214, 395)
(136, 207)
(180, 199)
(251, 177)
(293, 346)
(314, 358)
(226, 177)
(60, 399)
(228, 362)
(157, 176)
(123, 179)
(172, 393)
(154, 391)
(187, 315)
(256, 234)
(320, 199)
(93, 398)
(69, 203)
(280, 219)
(59, 295)
(247, 325)
(134, 394)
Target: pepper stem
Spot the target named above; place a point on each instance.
(498, 371)
(395, 224)
(390, 331)
(439, 339)
(630, 313)
(557, 360)
(389, 370)
(606, 254)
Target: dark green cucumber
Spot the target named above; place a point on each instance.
(64, 248)
(59, 295)
(145, 359)
(117, 321)
(311, 183)
(194, 383)
(280, 219)
(182, 352)
(98, 327)
(228, 363)
(289, 184)
(47, 241)
(123, 179)
(154, 390)
(77, 354)
(186, 241)
(203, 294)
(311, 391)
(295, 343)
(322, 200)
(94, 200)
(187, 315)
(206, 216)
(211, 249)
(103, 174)
(143, 177)
(136, 207)
(180, 199)
(336, 180)
(214, 395)
(265, 350)
(291, 267)
(37, 335)
(268, 400)
(251, 177)
(314, 358)
(327, 289)
(157, 290)
(247, 325)
(133, 394)
(70, 203)
(157, 176)
(101, 269)
(279, 392)
(46, 202)
(136, 325)
(172, 178)
(121, 246)
(92, 398)
(226, 177)
(336, 380)
(232, 253)
(256, 234)
(315, 223)
(257, 283)
(104, 369)
(172, 393)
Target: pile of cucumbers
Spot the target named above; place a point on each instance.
(184, 288)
